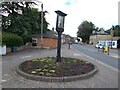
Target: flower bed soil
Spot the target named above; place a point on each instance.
(47, 67)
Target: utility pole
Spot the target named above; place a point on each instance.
(42, 25)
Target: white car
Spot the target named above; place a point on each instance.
(99, 46)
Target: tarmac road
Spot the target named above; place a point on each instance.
(111, 59)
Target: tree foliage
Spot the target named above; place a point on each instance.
(85, 30)
(22, 19)
(11, 40)
(116, 30)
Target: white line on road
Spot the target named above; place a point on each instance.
(3, 61)
(2, 81)
(76, 54)
(114, 55)
(26, 56)
(98, 61)
(101, 62)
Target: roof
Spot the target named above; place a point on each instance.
(98, 33)
(49, 34)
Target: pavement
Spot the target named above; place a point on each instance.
(106, 77)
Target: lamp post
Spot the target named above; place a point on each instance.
(59, 29)
(42, 25)
(41, 40)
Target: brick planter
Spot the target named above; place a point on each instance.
(56, 79)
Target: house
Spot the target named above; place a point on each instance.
(97, 36)
(49, 40)
(67, 38)
(102, 36)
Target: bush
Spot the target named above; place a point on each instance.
(26, 39)
(11, 40)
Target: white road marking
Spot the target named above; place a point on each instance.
(2, 81)
(101, 62)
(114, 55)
(76, 54)
(6, 75)
(26, 56)
(3, 62)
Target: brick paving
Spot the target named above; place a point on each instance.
(106, 77)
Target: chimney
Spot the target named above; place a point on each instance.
(112, 31)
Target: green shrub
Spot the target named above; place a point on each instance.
(26, 39)
(11, 40)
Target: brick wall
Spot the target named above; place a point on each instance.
(47, 42)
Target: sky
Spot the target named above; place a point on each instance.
(102, 13)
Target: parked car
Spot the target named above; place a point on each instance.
(70, 42)
(99, 46)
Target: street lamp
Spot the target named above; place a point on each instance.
(59, 29)
(41, 38)
(42, 25)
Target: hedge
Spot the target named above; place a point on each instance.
(10, 39)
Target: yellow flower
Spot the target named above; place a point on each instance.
(74, 61)
(38, 69)
(48, 74)
(45, 70)
(45, 66)
(54, 67)
(41, 73)
(33, 72)
(68, 62)
(34, 60)
(52, 70)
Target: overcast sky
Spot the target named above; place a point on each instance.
(102, 13)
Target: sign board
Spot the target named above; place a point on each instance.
(106, 49)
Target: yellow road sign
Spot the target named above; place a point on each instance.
(105, 48)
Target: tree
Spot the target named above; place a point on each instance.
(85, 30)
(15, 22)
(25, 23)
(116, 30)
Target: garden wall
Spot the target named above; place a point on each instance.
(28, 45)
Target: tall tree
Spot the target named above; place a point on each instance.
(85, 30)
(24, 23)
(22, 19)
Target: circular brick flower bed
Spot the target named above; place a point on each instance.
(45, 69)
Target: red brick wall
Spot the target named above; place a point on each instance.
(47, 42)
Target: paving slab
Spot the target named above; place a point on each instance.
(106, 77)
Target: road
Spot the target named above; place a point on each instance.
(91, 51)
(104, 78)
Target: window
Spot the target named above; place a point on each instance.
(34, 41)
(113, 43)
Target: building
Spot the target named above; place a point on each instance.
(101, 36)
(49, 40)
(67, 38)
(97, 36)
(94, 39)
